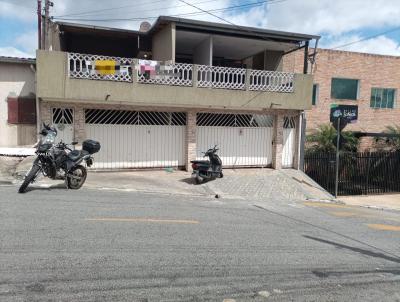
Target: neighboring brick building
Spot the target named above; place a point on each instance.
(375, 90)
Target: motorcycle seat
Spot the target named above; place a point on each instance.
(77, 154)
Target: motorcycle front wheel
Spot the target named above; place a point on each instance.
(30, 177)
(76, 177)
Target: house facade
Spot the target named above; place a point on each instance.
(370, 81)
(160, 96)
(17, 102)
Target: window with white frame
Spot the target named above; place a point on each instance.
(382, 98)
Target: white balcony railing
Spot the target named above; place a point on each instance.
(84, 66)
(178, 74)
(274, 81)
(221, 77)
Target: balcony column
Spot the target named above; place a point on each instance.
(277, 142)
(190, 136)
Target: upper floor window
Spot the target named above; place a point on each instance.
(382, 97)
(344, 89)
(315, 92)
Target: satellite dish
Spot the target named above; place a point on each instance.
(144, 26)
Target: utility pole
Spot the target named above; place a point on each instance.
(39, 14)
(47, 4)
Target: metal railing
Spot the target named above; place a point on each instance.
(221, 77)
(84, 66)
(271, 81)
(359, 172)
(178, 74)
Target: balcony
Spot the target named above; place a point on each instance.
(75, 77)
(180, 74)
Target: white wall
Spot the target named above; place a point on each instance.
(202, 54)
(16, 79)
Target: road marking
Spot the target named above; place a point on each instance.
(153, 220)
(343, 214)
(384, 227)
(325, 205)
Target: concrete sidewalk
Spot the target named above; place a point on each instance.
(256, 184)
(386, 201)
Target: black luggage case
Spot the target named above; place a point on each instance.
(91, 146)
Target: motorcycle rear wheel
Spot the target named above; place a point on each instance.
(30, 177)
(76, 177)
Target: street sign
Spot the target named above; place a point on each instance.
(340, 116)
(347, 113)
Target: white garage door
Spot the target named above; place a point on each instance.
(137, 139)
(242, 139)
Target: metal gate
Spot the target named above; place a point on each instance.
(63, 120)
(243, 139)
(137, 139)
(289, 142)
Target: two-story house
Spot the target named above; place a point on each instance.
(159, 96)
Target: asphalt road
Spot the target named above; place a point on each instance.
(89, 245)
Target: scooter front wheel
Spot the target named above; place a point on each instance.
(221, 175)
(198, 180)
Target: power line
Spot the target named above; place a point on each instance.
(177, 15)
(368, 38)
(209, 12)
(88, 14)
(108, 9)
(259, 93)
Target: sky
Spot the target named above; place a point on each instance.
(338, 22)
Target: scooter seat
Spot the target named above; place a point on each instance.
(200, 162)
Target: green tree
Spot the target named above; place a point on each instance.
(392, 142)
(323, 139)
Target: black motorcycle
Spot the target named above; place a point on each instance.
(207, 169)
(58, 161)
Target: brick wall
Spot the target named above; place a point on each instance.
(371, 70)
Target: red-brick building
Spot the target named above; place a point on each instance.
(341, 77)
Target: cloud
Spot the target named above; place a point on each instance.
(27, 41)
(338, 21)
(14, 52)
(333, 17)
(379, 45)
(24, 11)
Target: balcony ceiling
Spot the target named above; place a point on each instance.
(226, 46)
